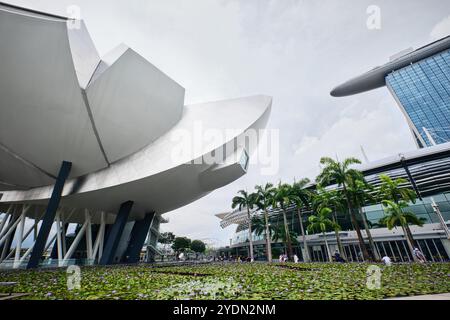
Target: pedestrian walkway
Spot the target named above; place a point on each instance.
(441, 296)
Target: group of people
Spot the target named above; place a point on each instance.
(417, 253)
(237, 259)
(338, 258)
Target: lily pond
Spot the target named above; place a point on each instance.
(234, 281)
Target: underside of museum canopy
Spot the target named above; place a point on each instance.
(96, 140)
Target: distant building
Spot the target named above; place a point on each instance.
(428, 173)
(419, 80)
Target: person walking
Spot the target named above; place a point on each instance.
(337, 257)
(295, 258)
(386, 260)
(419, 255)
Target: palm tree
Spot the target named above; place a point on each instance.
(393, 190)
(340, 173)
(361, 194)
(279, 233)
(301, 196)
(322, 222)
(246, 200)
(282, 198)
(397, 216)
(264, 199)
(259, 226)
(331, 199)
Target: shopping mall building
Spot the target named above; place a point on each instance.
(428, 173)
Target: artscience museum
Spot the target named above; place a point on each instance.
(89, 140)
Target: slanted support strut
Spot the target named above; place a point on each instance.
(138, 235)
(115, 233)
(49, 216)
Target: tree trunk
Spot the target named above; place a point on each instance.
(288, 235)
(250, 234)
(376, 256)
(268, 240)
(338, 239)
(409, 235)
(409, 242)
(330, 258)
(356, 226)
(305, 243)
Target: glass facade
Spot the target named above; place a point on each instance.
(422, 209)
(396, 249)
(423, 90)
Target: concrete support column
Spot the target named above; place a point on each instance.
(115, 233)
(6, 237)
(138, 235)
(88, 231)
(98, 245)
(49, 216)
(19, 237)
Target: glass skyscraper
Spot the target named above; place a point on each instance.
(422, 90)
(419, 80)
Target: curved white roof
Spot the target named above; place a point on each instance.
(155, 178)
(60, 101)
(118, 119)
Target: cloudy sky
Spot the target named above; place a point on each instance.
(293, 50)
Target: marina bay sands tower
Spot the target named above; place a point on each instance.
(419, 80)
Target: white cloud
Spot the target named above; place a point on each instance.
(441, 29)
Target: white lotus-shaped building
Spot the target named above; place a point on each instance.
(105, 142)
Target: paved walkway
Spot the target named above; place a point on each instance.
(441, 296)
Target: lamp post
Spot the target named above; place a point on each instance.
(441, 218)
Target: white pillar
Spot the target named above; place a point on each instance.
(7, 218)
(58, 236)
(87, 217)
(98, 245)
(8, 232)
(19, 237)
(102, 239)
(75, 242)
(23, 239)
(3, 223)
(50, 243)
(27, 253)
(63, 235)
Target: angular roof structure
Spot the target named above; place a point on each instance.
(118, 119)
